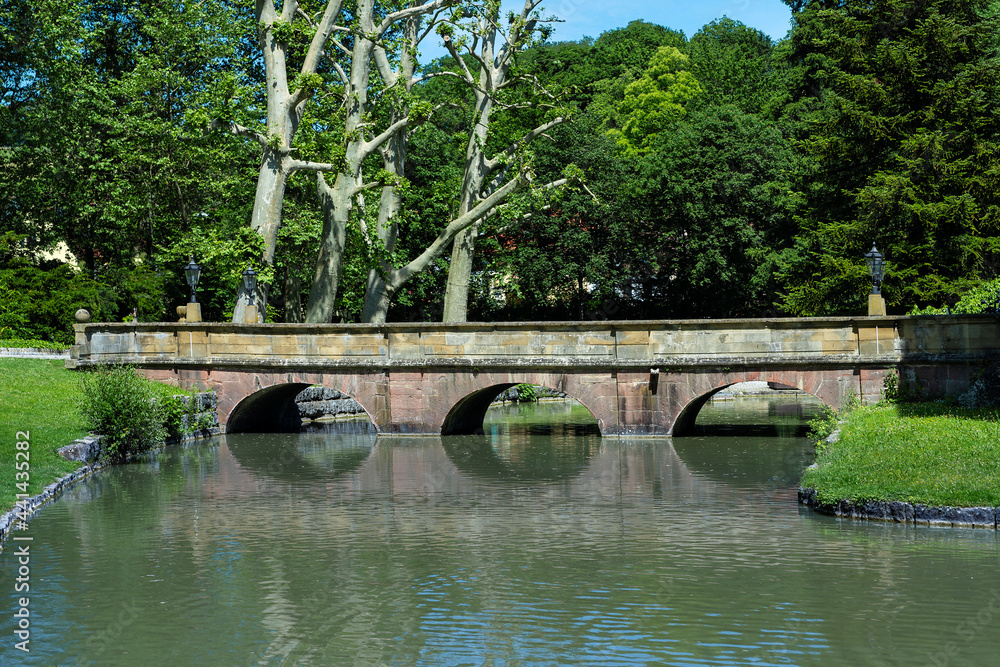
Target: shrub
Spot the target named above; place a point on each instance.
(122, 406)
(526, 393)
(32, 343)
(985, 389)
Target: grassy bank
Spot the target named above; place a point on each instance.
(38, 396)
(927, 453)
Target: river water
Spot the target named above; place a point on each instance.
(538, 543)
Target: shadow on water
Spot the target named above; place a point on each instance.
(319, 452)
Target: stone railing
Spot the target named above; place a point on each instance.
(681, 343)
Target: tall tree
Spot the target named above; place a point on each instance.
(302, 56)
(901, 116)
(484, 172)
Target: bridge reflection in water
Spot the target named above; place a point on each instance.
(318, 549)
(526, 445)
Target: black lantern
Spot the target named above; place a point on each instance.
(250, 283)
(193, 273)
(876, 268)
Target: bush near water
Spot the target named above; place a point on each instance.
(135, 414)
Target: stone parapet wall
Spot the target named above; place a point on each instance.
(681, 343)
(33, 353)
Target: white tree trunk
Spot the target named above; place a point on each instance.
(456, 295)
(377, 300)
(336, 205)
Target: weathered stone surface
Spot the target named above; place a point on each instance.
(932, 515)
(34, 353)
(320, 409)
(872, 509)
(318, 394)
(980, 517)
(85, 449)
(899, 512)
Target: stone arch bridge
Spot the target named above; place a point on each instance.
(636, 378)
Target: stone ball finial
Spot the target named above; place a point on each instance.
(82, 316)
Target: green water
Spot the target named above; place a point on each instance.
(539, 543)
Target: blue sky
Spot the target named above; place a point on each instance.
(592, 17)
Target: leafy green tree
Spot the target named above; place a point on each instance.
(898, 106)
(553, 255)
(733, 65)
(94, 133)
(714, 201)
(656, 100)
(619, 57)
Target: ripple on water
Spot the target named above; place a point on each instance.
(543, 550)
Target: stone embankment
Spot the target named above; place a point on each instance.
(902, 512)
(324, 403)
(203, 423)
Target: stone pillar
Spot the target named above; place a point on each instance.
(193, 313)
(876, 305)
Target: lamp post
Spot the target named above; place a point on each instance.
(876, 269)
(250, 285)
(193, 273)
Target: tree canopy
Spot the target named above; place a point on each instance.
(638, 174)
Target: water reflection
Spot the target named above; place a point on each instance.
(746, 441)
(425, 551)
(777, 414)
(301, 457)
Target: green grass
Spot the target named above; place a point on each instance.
(929, 453)
(38, 396)
(41, 397)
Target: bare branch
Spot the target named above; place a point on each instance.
(495, 162)
(239, 131)
(433, 75)
(384, 67)
(307, 165)
(340, 71)
(430, 26)
(373, 145)
(426, 8)
(300, 12)
(448, 234)
(318, 42)
(343, 49)
(512, 44)
(448, 44)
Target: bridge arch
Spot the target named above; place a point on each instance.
(827, 390)
(265, 402)
(269, 410)
(468, 404)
